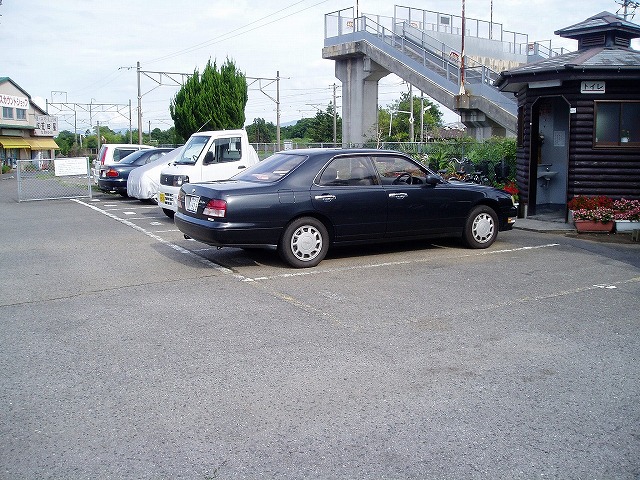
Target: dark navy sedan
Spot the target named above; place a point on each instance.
(113, 178)
(302, 201)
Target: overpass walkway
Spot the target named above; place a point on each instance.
(365, 51)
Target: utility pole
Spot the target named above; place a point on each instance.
(462, 90)
(335, 117)
(139, 109)
(411, 122)
(276, 100)
(627, 5)
(172, 76)
(278, 107)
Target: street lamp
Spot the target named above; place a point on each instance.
(410, 121)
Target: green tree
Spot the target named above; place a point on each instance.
(65, 141)
(261, 132)
(400, 119)
(322, 127)
(299, 130)
(215, 100)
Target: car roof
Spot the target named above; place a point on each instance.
(339, 151)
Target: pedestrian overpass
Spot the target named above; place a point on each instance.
(424, 48)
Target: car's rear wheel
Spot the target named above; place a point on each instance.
(168, 212)
(481, 228)
(304, 242)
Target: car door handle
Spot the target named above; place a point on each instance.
(241, 167)
(399, 196)
(325, 197)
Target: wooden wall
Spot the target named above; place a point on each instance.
(610, 171)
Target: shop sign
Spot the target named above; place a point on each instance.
(14, 102)
(46, 126)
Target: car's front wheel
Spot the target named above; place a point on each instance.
(481, 228)
(304, 242)
(168, 212)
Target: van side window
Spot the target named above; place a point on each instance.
(120, 153)
(227, 149)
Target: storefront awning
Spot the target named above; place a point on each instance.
(14, 142)
(43, 143)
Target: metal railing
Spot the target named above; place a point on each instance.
(52, 179)
(429, 52)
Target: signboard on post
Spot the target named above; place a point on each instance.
(71, 166)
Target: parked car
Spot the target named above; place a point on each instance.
(302, 201)
(111, 153)
(143, 182)
(113, 178)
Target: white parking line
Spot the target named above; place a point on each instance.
(387, 264)
(175, 247)
(302, 273)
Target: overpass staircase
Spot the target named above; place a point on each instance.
(418, 57)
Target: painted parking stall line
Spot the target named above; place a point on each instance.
(171, 245)
(390, 264)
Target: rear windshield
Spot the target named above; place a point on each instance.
(132, 157)
(120, 153)
(271, 169)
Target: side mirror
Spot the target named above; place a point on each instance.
(433, 179)
(208, 158)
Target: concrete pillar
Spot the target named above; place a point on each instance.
(359, 76)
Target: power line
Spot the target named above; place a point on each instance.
(241, 31)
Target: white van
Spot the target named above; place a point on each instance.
(206, 156)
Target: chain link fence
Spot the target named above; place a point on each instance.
(51, 179)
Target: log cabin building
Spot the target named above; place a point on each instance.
(579, 118)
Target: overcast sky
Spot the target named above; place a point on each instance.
(86, 52)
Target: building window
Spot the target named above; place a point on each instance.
(616, 124)
(7, 112)
(21, 114)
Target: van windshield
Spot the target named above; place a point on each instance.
(192, 150)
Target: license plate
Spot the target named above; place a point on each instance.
(191, 203)
(161, 197)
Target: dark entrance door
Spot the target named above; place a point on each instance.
(550, 157)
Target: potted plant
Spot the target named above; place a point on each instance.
(626, 215)
(596, 220)
(585, 202)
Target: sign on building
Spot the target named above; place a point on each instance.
(14, 102)
(46, 126)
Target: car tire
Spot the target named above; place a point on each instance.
(304, 243)
(168, 212)
(481, 227)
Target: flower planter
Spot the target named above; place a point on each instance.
(590, 226)
(627, 226)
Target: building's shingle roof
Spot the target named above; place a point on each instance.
(603, 21)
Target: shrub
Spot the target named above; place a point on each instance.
(584, 202)
(626, 209)
(599, 214)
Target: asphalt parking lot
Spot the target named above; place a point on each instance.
(130, 352)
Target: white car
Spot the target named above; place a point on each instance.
(143, 182)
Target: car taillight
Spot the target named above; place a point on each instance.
(112, 173)
(215, 208)
(104, 154)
